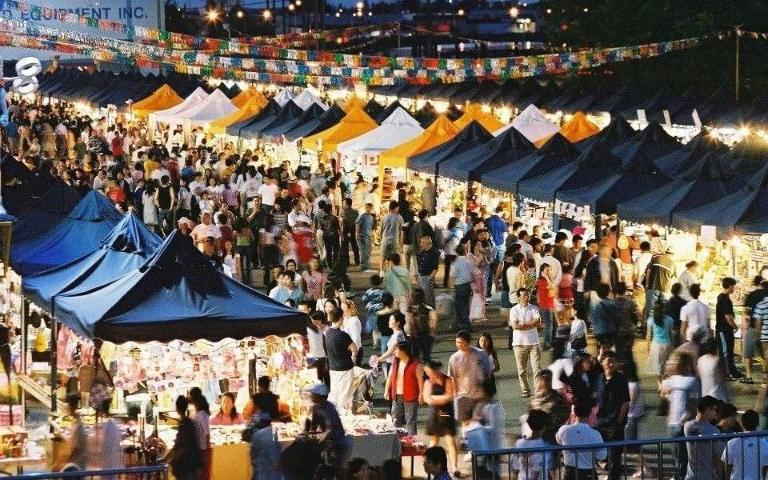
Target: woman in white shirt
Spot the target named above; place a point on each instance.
(316, 356)
(352, 326)
(202, 421)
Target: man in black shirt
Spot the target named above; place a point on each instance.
(673, 307)
(612, 415)
(341, 351)
(725, 325)
(427, 261)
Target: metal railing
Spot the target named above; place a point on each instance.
(156, 472)
(654, 458)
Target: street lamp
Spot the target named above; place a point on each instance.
(212, 15)
(514, 12)
(240, 14)
(291, 7)
(266, 15)
(359, 5)
(460, 12)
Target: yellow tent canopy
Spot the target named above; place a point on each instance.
(578, 128)
(250, 93)
(354, 101)
(441, 130)
(251, 108)
(161, 99)
(355, 123)
(475, 113)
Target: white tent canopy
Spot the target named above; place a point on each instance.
(398, 128)
(195, 98)
(215, 106)
(532, 124)
(306, 98)
(283, 97)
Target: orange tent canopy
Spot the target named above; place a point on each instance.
(355, 123)
(475, 113)
(441, 130)
(250, 93)
(354, 101)
(161, 99)
(251, 108)
(578, 128)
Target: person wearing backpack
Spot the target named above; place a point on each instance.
(424, 326)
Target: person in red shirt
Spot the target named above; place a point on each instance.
(304, 240)
(545, 294)
(116, 194)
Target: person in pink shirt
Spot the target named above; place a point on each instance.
(228, 414)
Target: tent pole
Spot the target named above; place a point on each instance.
(53, 360)
(598, 227)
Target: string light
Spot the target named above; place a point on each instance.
(267, 14)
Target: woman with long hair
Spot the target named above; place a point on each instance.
(485, 343)
(228, 414)
(477, 301)
(202, 425)
(184, 458)
(313, 280)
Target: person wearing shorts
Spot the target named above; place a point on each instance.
(469, 367)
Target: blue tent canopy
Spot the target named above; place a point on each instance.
(289, 112)
(687, 157)
(43, 216)
(78, 235)
(708, 181)
(594, 165)
(500, 152)
(557, 152)
(637, 176)
(429, 161)
(125, 249)
(331, 117)
(373, 108)
(175, 295)
(745, 211)
(270, 111)
(650, 144)
(313, 112)
(618, 132)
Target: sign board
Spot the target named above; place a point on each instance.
(696, 119)
(667, 119)
(641, 117)
(708, 235)
(138, 13)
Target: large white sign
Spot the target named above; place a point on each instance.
(140, 13)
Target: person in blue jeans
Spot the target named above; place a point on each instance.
(461, 274)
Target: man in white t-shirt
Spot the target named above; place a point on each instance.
(205, 229)
(695, 314)
(268, 192)
(680, 391)
(524, 320)
(580, 463)
(746, 458)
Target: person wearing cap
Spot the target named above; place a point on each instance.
(659, 277)
(325, 420)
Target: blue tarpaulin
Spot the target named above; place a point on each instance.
(126, 248)
(78, 235)
(270, 111)
(616, 133)
(501, 152)
(175, 295)
(557, 152)
(429, 161)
